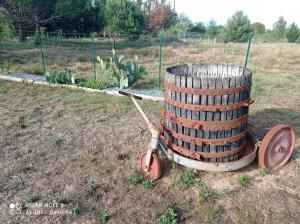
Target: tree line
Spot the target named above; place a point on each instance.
(133, 17)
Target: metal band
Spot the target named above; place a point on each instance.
(202, 141)
(205, 125)
(212, 108)
(209, 92)
(201, 155)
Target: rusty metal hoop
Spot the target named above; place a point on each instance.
(277, 147)
(247, 158)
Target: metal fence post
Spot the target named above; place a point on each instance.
(94, 56)
(248, 51)
(42, 53)
(1, 59)
(160, 58)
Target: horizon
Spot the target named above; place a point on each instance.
(288, 9)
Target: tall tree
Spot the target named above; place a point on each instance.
(279, 27)
(123, 16)
(212, 28)
(258, 28)
(238, 28)
(6, 27)
(161, 17)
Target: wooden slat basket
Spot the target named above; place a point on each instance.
(206, 111)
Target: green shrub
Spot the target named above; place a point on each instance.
(94, 84)
(64, 77)
(292, 33)
(169, 217)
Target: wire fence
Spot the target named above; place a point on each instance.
(53, 51)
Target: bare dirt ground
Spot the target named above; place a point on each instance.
(54, 142)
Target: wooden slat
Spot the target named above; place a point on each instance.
(203, 114)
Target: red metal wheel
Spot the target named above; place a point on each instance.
(277, 147)
(155, 168)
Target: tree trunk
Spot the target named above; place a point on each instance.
(37, 32)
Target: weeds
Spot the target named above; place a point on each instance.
(103, 216)
(94, 84)
(31, 199)
(62, 201)
(206, 193)
(91, 186)
(76, 211)
(169, 217)
(135, 178)
(57, 141)
(262, 172)
(244, 181)
(20, 123)
(187, 179)
(149, 184)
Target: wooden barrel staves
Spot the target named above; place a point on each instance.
(206, 111)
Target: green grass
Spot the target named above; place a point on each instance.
(244, 181)
(149, 184)
(210, 213)
(262, 172)
(103, 216)
(187, 179)
(169, 217)
(135, 178)
(4, 87)
(205, 193)
(31, 199)
(256, 88)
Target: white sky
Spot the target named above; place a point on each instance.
(265, 11)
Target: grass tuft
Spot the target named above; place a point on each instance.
(187, 179)
(136, 178)
(244, 181)
(149, 184)
(31, 199)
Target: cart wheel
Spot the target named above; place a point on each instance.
(155, 168)
(277, 147)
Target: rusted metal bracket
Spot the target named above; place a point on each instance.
(205, 125)
(211, 108)
(201, 155)
(202, 141)
(209, 92)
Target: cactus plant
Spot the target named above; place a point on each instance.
(124, 73)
